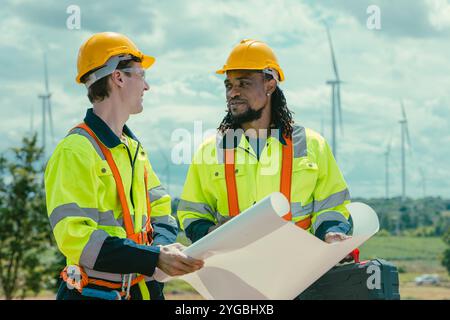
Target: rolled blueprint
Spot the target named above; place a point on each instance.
(259, 255)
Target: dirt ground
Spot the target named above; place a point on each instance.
(412, 291)
(408, 291)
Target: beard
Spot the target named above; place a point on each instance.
(247, 116)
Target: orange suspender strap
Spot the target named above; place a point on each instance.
(286, 174)
(148, 226)
(230, 179)
(116, 174)
(286, 182)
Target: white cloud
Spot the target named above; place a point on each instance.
(191, 40)
(439, 14)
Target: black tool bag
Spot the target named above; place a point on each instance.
(367, 280)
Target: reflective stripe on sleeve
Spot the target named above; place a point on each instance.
(92, 248)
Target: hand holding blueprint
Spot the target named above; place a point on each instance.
(258, 255)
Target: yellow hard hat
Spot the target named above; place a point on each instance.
(101, 47)
(252, 55)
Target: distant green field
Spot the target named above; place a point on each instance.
(403, 248)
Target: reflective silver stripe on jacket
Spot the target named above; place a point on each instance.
(198, 207)
(92, 248)
(157, 193)
(167, 219)
(113, 277)
(73, 210)
(332, 201)
(83, 133)
(298, 210)
(299, 142)
(328, 216)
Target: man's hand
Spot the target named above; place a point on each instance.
(175, 263)
(331, 237)
(226, 219)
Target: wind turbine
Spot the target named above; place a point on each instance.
(46, 108)
(386, 156)
(335, 97)
(404, 136)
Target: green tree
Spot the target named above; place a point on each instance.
(25, 234)
(446, 257)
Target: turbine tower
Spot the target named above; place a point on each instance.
(335, 84)
(46, 108)
(386, 158)
(404, 136)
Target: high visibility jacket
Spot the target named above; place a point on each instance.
(84, 207)
(319, 192)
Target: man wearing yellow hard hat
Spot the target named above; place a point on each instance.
(109, 213)
(260, 150)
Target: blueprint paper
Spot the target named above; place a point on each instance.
(258, 255)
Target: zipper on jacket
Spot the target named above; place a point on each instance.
(132, 162)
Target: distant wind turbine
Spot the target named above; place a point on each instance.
(46, 107)
(335, 96)
(386, 155)
(404, 136)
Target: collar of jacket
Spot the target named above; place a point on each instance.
(238, 135)
(103, 132)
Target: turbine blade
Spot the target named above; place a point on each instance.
(408, 139)
(46, 74)
(403, 111)
(389, 144)
(333, 58)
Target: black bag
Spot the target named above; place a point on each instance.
(368, 280)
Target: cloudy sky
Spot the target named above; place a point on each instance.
(407, 59)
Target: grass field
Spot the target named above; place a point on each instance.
(403, 248)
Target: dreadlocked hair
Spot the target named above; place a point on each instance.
(280, 114)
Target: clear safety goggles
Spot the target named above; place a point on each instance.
(139, 71)
(272, 72)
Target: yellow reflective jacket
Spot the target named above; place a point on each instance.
(85, 211)
(318, 190)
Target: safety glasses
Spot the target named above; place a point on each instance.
(136, 70)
